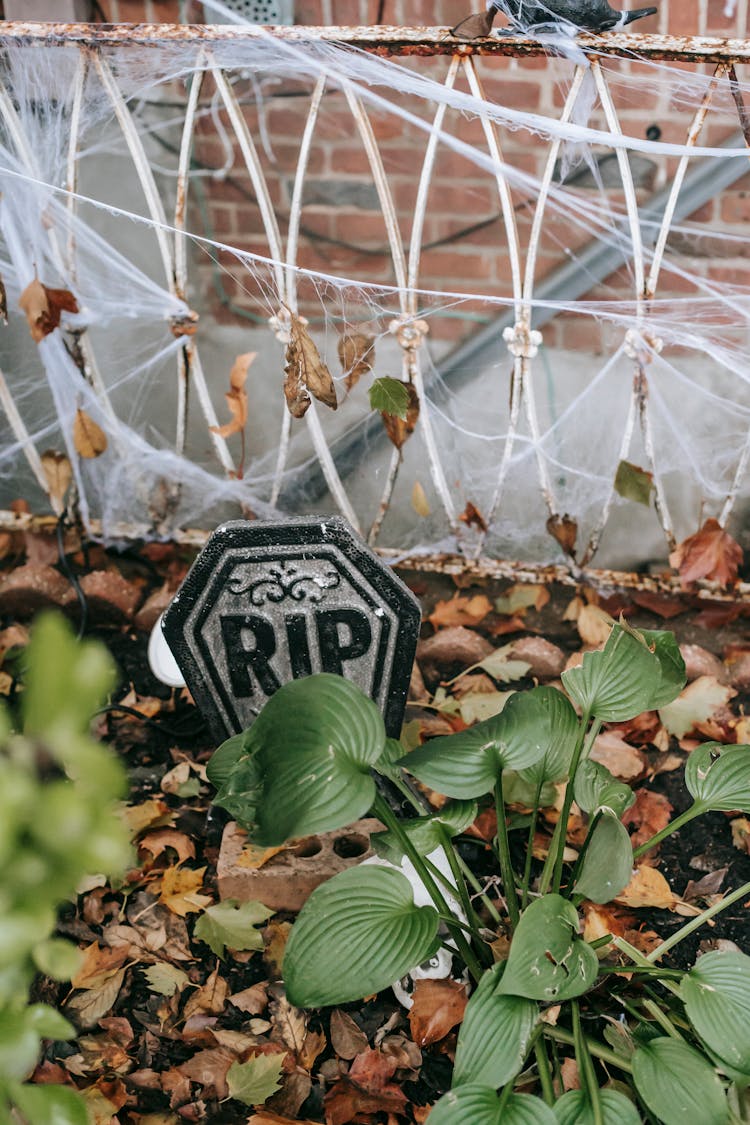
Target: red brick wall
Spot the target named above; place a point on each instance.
(343, 229)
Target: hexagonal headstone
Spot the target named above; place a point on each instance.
(265, 603)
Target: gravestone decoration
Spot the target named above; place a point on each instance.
(265, 603)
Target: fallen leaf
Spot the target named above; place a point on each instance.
(367, 1089)
(520, 597)
(253, 856)
(477, 708)
(3, 303)
(289, 1023)
(305, 371)
(594, 625)
(252, 1000)
(58, 473)
(648, 887)
(254, 1081)
(502, 667)
(153, 813)
(571, 1079)
(697, 703)
(165, 979)
(156, 843)
(179, 890)
(275, 935)
(356, 348)
(620, 758)
(659, 604)
(211, 997)
(347, 1037)
(711, 553)
(99, 965)
(648, 815)
(88, 1007)
(706, 887)
(89, 438)
(460, 611)
(634, 483)
(399, 426)
(236, 397)
(43, 307)
(209, 1069)
(438, 1006)
(419, 500)
(741, 833)
(564, 530)
(472, 517)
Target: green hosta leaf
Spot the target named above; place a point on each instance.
(608, 862)
(556, 727)
(389, 396)
(634, 483)
(574, 1108)
(494, 1036)
(393, 751)
(241, 790)
(232, 924)
(224, 760)
(253, 1082)
(718, 777)
(673, 676)
(357, 934)
(678, 1084)
(548, 961)
(426, 832)
(19, 1045)
(307, 767)
(480, 1105)
(594, 788)
(467, 764)
(716, 993)
(58, 958)
(622, 679)
(50, 1105)
(517, 790)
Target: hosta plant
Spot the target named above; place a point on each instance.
(58, 796)
(652, 1042)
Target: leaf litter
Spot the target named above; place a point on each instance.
(178, 1001)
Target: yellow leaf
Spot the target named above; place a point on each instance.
(419, 500)
(594, 625)
(153, 813)
(179, 890)
(254, 857)
(648, 887)
(89, 438)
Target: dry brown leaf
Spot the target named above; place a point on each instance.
(209, 1069)
(153, 813)
(419, 501)
(157, 842)
(399, 429)
(356, 348)
(58, 473)
(43, 307)
(347, 1037)
(305, 371)
(620, 758)
(741, 833)
(367, 1089)
(275, 935)
(571, 1079)
(711, 553)
(438, 1006)
(472, 517)
(289, 1023)
(594, 625)
(89, 438)
(89, 1006)
(253, 1000)
(564, 530)
(179, 890)
(99, 965)
(210, 998)
(460, 611)
(649, 814)
(696, 704)
(236, 397)
(648, 887)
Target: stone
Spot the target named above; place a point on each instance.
(265, 603)
(27, 589)
(547, 660)
(288, 878)
(700, 662)
(111, 598)
(453, 645)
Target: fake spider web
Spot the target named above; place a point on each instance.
(110, 162)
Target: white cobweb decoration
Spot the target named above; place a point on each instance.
(518, 441)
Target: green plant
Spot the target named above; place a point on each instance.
(650, 1041)
(58, 790)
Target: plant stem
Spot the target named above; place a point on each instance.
(463, 894)
(695, 923)
(586, 1066)
(503, 854)
(582, 854)
(643, 961)
(471, 877)
(673, 826)
(545, 1072)
(530, 845)
(503, 1099)
(662, 1019)
(596, 1049)
(583, 747)
(384, 812)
